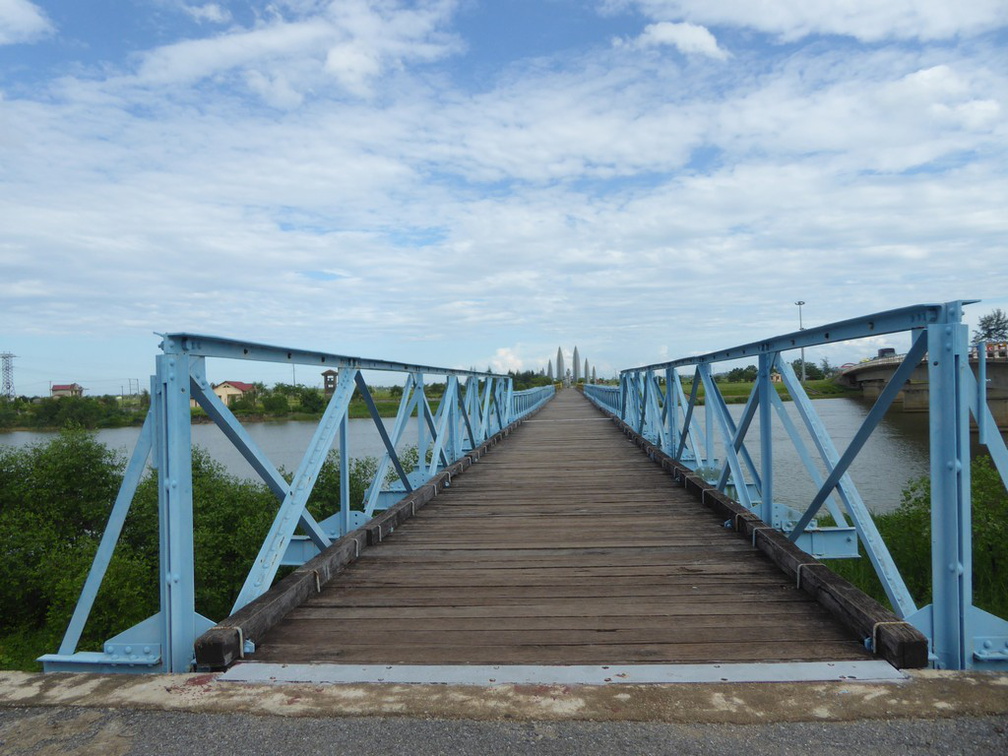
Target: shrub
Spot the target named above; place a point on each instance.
(907, 533)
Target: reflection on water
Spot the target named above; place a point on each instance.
(895, 454)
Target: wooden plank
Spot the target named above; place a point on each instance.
(672, 653)
(363, 623)
(315, 632)
(526, 598)
(562, 545)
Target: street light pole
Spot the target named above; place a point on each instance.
(801, 327)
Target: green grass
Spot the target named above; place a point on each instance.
(738, 393)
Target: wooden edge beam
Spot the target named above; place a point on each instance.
(889, 637)
(223, 645)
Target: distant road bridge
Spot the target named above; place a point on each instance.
(872, 376)
(532, 539)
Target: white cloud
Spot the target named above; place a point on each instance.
(612, 200)
(689, 39)
(286, 57)
(866, 20)
(211, 12)
(353, 65)
(506, 359)
(274, 90)
(192, 60)
(22, 21)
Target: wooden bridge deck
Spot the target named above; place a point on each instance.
(565, 545)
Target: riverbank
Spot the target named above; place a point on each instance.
(358, 410)
(737, 392)
(104, 413)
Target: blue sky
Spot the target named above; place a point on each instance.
(472, 183)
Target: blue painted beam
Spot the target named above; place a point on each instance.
(892, 321)
(214, 346)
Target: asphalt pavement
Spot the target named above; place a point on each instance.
(108, 715)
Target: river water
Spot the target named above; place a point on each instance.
(284, 442)
(896, 452)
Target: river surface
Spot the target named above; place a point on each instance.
(284, 442)
(896, 452)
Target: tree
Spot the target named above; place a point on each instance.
(276, 404)
(746, 374)
(992, 327)
(812, 371)
(311, 400)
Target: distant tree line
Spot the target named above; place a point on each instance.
(74, 411)
(527, 379)
(280, 400)
(822, 370)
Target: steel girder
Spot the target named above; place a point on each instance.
(164, 642)
(962, 636)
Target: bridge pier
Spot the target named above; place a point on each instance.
(873, 376)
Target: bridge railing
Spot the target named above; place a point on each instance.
(652, 400)
(473, 407)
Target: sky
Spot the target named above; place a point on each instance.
(469, 183)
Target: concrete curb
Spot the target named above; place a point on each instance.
(926, 694)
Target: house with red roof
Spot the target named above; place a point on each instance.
(66, 389)
(229, 391)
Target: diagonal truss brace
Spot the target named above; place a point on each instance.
(878, 410)
(878, 554)
(242, 441)
(271, 553)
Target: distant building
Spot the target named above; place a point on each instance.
(228, 391)
(577, 366)
(66, 389)
(329, 378)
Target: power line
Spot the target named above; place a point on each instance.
(8, 375)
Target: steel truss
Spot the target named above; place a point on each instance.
(651, 399)
(474, 407)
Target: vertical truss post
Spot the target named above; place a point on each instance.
(173, 444)
(671, 411)
(708, 419)
(655, 406)
(486, 404)
(420, 401)
(689, 433)
(453, 395)
(764, 388)
(624, 398)
(473, 416)
(645, 381)
(344, 475)
(508, 388)
(635, 407)
(951, 536)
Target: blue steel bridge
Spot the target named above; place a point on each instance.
(575, 530)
